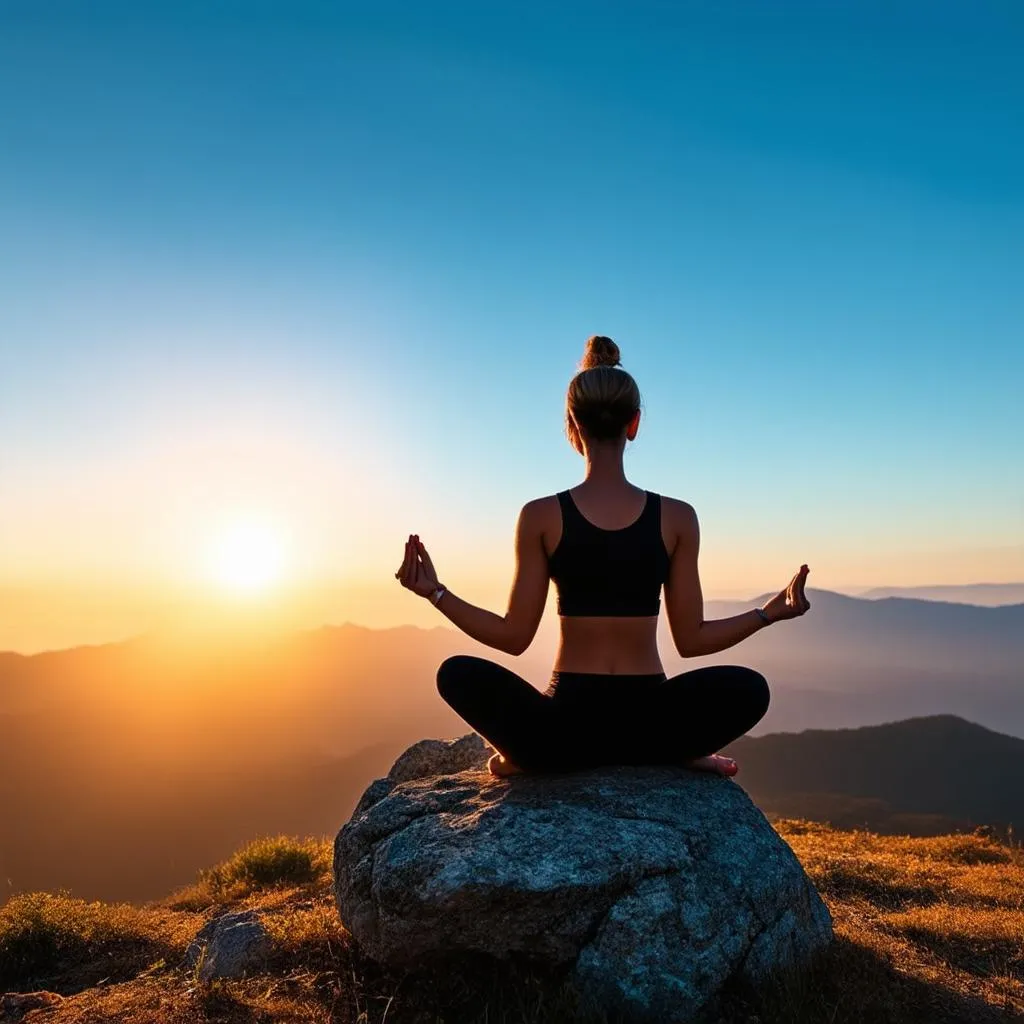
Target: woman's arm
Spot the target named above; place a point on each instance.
(512, 632)
(692, 634)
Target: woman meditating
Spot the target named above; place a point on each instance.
(610, 547)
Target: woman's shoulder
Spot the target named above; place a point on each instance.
(679, 512)
(544, 502)
(539, 510)
(550, 503)
(677, 504)
(541, 519)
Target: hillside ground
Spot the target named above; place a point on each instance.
(927, 930)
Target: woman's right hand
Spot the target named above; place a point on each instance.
(417, 573)
(791, 602)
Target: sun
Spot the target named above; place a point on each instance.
(247, 557)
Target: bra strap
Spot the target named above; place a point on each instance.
(569, 510)
(652, 510)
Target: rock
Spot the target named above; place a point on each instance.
(652, 886)
(14, 1005)
(440, 757)
(229, 946)
(428, 757)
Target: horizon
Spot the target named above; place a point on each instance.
(285, 285)
(246, 625)
(61, 618)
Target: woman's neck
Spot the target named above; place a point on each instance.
(604, 468)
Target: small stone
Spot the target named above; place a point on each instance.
(14, 1005)
(229, 946)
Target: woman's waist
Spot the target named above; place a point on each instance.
(601, 687)
(608, 646)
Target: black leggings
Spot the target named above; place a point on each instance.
(584, 720)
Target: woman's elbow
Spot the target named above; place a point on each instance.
(688, 648)
(515, 641)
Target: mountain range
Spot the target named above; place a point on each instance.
(961, 593)
(854, 661)
(126, 767)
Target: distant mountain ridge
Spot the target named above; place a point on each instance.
(922, 775)
(853, 661)
(986, 594)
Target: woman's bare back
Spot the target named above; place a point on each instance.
(619, 645)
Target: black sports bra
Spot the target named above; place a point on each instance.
(609, 572)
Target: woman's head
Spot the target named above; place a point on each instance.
(603, 400)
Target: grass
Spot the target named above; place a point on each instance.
(932, 928)
(265, 863)
(72, 944)
(927, 930)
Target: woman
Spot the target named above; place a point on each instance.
(609, 547)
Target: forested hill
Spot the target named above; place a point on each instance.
(920, 775)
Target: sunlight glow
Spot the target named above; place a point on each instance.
(247, 557)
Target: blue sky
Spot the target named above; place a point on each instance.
(369, 241)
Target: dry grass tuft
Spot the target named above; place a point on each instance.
(265, 863)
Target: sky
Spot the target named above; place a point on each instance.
(325, 270)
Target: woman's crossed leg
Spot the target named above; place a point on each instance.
(685, 720)
(697, 713)
(519, 721)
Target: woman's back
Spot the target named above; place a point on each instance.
(605, 572)
(608, 551)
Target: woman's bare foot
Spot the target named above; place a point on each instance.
(718, 763)
(501, 767)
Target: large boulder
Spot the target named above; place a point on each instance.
(653, 886)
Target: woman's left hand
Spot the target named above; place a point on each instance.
(416, 573)
(791, 602)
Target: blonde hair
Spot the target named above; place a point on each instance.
(602, 398)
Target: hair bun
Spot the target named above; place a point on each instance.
(600, 351)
